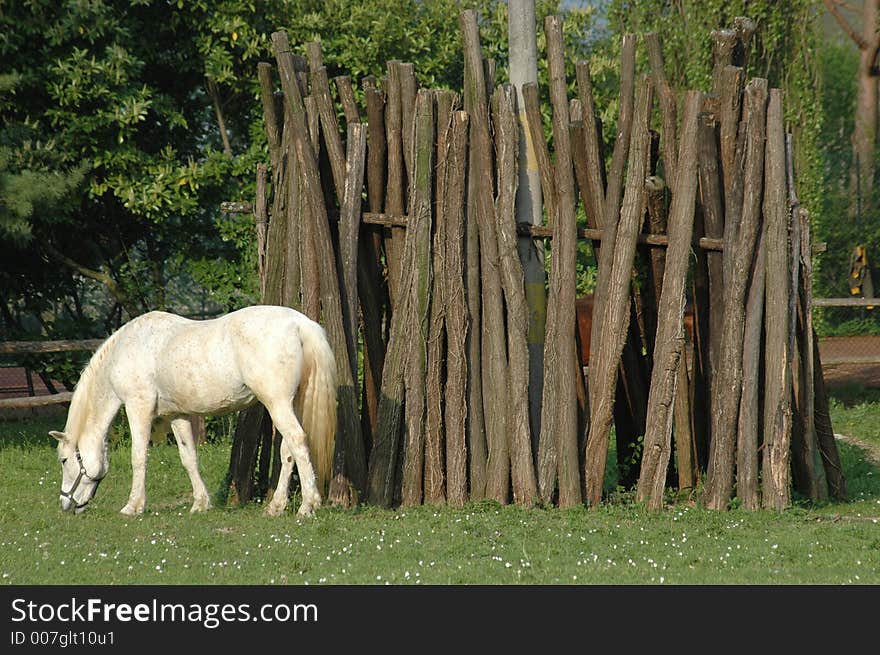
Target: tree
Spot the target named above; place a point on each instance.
(864, 134)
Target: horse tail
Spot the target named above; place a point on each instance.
(315, 401)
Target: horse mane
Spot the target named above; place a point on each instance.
(83, 392)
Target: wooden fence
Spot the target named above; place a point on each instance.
(420, 286)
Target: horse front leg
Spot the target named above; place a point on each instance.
(139, 421)
(183, 434)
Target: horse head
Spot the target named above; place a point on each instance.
(81, 471)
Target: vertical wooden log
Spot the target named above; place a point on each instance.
(612, 194)
(749, 423)
(542, 152)
(732, 80)
(723, 43)
(559, 407)
(348, 434)
(590, 162)
(270, 116)
(419, 239)
(320, 86)
(519, 434)
(346, 98)
(293, 279)
(727, 387)
(408, 89)
(394, 188)
(713, 224)
(371, 285)
(611, 218)
(349, 229)
(776, 476)
(480, 192)
(670, 330)
(457, 327)
(806, 465)
(311, 276)
(261, 218)
(668, 107)
(825, 432)
(806, 386)
(434, 428)
(617, 257)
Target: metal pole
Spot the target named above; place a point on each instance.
(523, 58)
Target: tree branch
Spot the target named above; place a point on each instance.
(100, 276)
(832, 6)
(221, 123)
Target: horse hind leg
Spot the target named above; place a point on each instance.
(293, 448)
(186, 445)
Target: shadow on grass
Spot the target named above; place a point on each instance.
(850, 394)
(29, 433)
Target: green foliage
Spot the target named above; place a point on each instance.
(836, 224)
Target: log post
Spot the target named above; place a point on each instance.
(617, 260)
(776, 475)
(457, 326)
(394, 187)
(727, 387)
(372, 288)
(434, 428)
(480, 195)
(418, 240)
(668, 107)
(559, 404)
(749, 422)
(518, 429)
(670, 315)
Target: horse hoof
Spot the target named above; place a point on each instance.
(306, 510)
(200, 505)
(129, 510)
(274, 510)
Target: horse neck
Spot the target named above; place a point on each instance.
(93, 405)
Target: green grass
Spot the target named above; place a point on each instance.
(482, 543)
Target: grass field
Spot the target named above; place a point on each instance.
(482, 543)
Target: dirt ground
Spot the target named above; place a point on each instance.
(846, 360)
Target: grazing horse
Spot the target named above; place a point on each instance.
(165, 368)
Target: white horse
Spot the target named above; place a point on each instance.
(165, 368)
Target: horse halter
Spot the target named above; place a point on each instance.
(82, 474)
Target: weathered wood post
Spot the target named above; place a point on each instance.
(669, 346)
(480, 199)
(457, 326)
(518, 428)
(434, 429)
(557, 445)
(776, 475)
(616, 259)
(418, 239)
(727, 385)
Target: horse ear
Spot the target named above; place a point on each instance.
(58, 435)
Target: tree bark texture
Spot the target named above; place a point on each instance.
(480, 199)
(617, 258)
(670, 315)
(518, 428)
(776, 475)
(727, 387)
